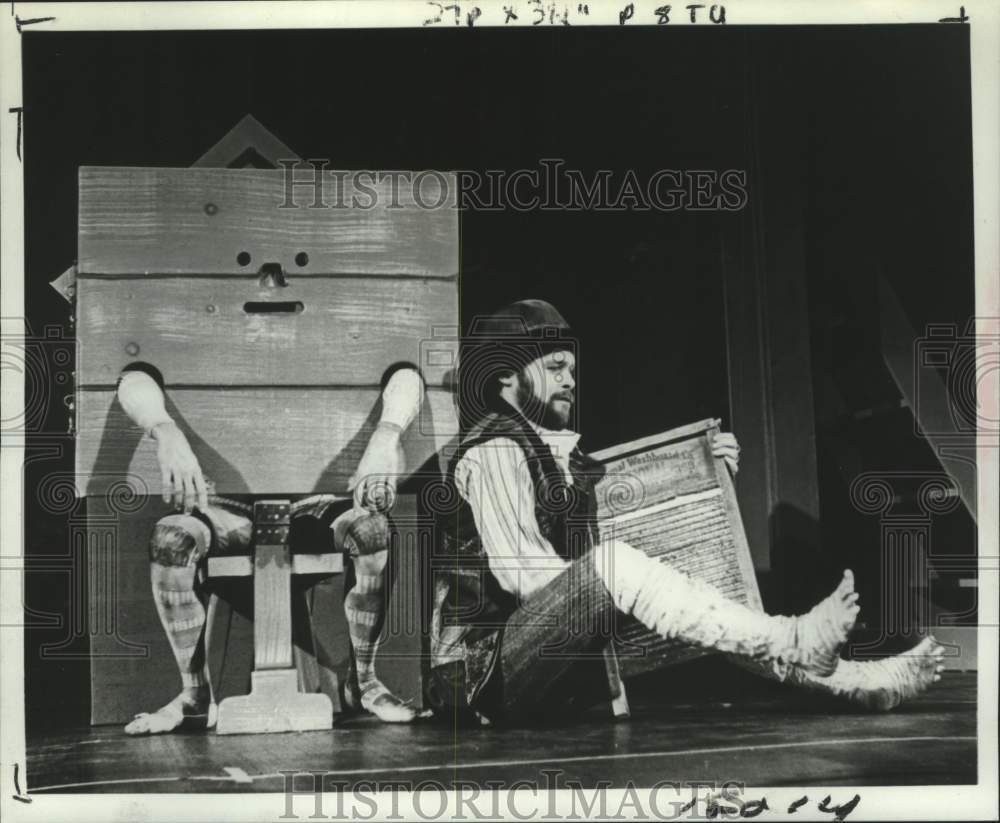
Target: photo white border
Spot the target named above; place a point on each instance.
(879, 803)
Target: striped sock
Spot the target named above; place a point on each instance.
(183, 617)
(365, 609)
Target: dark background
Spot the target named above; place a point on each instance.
(884, 114)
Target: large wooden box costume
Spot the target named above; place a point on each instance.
(273, 325)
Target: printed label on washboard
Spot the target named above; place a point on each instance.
(669, 497)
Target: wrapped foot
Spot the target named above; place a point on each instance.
(820, 634)
(187, 711)
(881, 685)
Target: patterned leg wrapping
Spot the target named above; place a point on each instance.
(177, 543)
(183, 617)
(365, 608)
(366, 537)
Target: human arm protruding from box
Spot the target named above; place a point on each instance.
(143, 401)
(374, 481)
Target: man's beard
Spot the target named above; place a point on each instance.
(552, 415)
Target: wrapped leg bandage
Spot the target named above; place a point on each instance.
(679, 607)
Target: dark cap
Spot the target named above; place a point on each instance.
(506, 341)
(525, 318)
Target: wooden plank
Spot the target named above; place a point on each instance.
(198, 331)
(235, 565)
(241, 565)
(253, 440)
(318, 564)
(200, 221)
(274, 705)
(272, 607)
(816, 746)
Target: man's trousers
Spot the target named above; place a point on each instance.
(550, 663)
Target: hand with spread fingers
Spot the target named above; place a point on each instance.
(724, 445)
(183, 481)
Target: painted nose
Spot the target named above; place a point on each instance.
(272, 276)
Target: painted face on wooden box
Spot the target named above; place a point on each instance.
(272, 311)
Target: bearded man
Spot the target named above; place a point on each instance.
(526, 592)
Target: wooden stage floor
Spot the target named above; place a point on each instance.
(775, 737)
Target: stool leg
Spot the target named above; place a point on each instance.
(210, 615)
(274, 703)
(619, 699)
(272, 608)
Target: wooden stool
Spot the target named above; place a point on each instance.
(275, 703)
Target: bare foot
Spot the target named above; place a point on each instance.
(190, 710)
(823, 631)
(881, 685)
(390, 709)
(382, 703)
